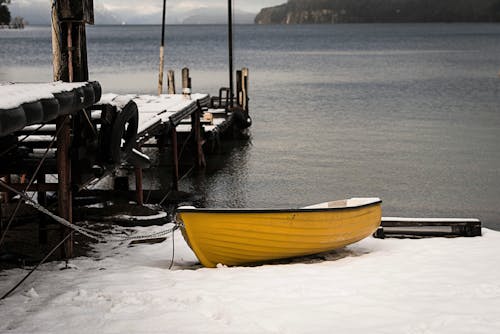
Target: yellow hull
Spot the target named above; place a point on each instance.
(244, 236)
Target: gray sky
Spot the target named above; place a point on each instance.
(149, 7)
(139, 11)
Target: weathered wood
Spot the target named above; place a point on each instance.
(171, 82)
(42, 200)
(56, 46)
(162, 50)
(196, 128)
(186, 84)
(175, 159)
(35, 187)
(239, 93)
(5, 196)
(244, 88)
(425, 227)
(64, 181)
(230, 50)
(138, 186)
(76, 10)
(160, 72)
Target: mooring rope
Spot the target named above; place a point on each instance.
(157, 235)
(95, 235)
(33, 177)
(35, 267)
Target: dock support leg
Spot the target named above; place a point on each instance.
(171, 82)
(196, 126)
(138, 186)
(42, 200)
(175, 160)
(64, 181)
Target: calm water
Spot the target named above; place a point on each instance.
(409, 113)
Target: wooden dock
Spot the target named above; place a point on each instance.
(398, 227)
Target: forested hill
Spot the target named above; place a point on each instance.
(353, 11)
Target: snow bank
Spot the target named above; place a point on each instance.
(384, 286)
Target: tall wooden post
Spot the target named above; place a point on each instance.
(186, 82)
(162, 50)
(138, 186)
(230, 49)
(175, 159)
(171, 82)
(244, 88)
(70, 64)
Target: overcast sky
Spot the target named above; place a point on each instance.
(38, 11)
(147, 7)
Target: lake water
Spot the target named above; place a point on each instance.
(409, 113)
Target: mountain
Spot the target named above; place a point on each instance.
(354, 11)
(38, 13)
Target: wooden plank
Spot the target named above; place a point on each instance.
(422, 227)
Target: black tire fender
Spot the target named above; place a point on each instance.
(66, 102)
(50, 109)
(33, 112)
(88, 95)
(97, 90)
(241, 117)
(123, 132)
(11, 120)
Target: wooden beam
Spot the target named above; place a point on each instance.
(138, 186)
(64, 194)
(427, 227)
(175, 159)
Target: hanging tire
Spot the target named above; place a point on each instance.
(66, 102)
(123, 132)
(11, 120)
(50, 109)
(97, 90)
(33, 112)
(79, 100)
(241, 119)
(88, 96)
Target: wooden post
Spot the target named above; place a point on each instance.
(196, 128)
(244, 88)
(162, 50)
(230, 49)
(175, 159)
(6, 195)
(70, 64)
(138, 186)
(64, 204)
(239, 95)
(171, 82)
(186, 84)
(42, 200)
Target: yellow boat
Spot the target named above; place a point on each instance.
(250, 236)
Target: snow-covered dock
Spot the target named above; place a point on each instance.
(436, 285)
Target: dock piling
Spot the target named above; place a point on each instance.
(186, 82)
(175, 159)
(171, 82)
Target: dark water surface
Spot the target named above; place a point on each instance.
(406, 112)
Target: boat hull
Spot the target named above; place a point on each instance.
(245, 236)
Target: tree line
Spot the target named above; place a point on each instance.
(6, 19)
(333, 11)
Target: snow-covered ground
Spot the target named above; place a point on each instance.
(375, 286)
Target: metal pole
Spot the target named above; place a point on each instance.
(162, 50)
(230, 47)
